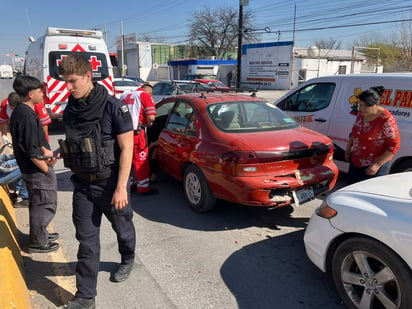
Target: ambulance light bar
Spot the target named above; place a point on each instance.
(74, 32)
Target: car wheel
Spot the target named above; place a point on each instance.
(367, 274)
(197, 191)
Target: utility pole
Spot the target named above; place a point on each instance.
(352, 61)
(239, 42)
(292, 70)
(105, 34)
(123, 70)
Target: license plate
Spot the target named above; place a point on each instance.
(303, 195)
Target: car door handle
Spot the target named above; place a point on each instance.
(319, 120)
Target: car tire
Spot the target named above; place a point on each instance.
(367, 274)
(197, 191)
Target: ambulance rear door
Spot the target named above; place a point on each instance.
(56, 48)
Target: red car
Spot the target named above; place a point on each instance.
(213, 83)
(242, 149)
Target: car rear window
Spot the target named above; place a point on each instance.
(249, 116)
(125, 83)
(97, 60)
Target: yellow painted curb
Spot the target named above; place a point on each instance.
(13, 292)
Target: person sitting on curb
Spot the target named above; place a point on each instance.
(10, 175)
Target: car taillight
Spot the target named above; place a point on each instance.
(241, 162)
(240, 157)
(325, 211)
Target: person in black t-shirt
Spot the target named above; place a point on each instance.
(30, 148)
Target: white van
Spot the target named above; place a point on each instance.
(6, 71)
(329, 105)
(44, 55)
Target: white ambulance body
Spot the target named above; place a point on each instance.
(43, 57)
(329, 105)
(6, 71)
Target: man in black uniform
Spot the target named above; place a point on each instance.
(30, 146)
(98, 149)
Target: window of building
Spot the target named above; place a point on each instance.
(342, 69)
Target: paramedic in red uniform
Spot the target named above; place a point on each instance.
(142, 109)
(6, 108)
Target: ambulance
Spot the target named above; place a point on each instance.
(329, 105)
(44, 55)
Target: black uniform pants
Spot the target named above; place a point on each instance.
(90, 201)
(42, 189)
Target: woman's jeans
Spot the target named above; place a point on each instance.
(356, 174)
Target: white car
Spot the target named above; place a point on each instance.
(122, 85)
(362, 234)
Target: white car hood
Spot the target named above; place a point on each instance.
(394, 185)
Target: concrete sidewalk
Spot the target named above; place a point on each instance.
(271, 95)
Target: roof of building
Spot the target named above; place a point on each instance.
(200, 62)
(331, 54)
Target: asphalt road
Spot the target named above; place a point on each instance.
(233, 257)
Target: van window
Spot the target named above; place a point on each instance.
(97, 60)
(311, 98)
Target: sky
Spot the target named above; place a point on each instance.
(274, 20)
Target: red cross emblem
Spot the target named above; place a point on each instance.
(96, 64)
(60, 60)
(129, 100)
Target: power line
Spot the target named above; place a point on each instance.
(352, 25)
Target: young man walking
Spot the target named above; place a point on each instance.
(98, 150)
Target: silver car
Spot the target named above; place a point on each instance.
(166, 88)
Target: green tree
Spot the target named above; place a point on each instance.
(215, 31)
(394, 50)
(389, 56)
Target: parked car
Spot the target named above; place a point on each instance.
(362, 234)
(242, 149)
(165, 88)
(135, 78)
(124, 85)
(213, 83)
(199, 76)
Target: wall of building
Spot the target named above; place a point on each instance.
(150, 62)
(308, 68)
